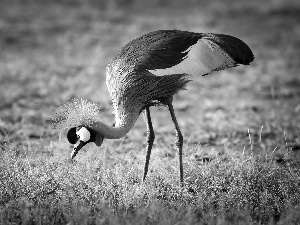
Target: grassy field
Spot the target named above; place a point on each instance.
(241, 126)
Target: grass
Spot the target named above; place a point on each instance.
(240, 126)
(52, 190)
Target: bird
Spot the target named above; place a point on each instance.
(149, 71)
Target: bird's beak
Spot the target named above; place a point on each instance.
(77, 147)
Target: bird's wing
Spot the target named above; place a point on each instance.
(168, 52)
(156, 50)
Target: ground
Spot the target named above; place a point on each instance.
(241, 119)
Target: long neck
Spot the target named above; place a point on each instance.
(121, 128)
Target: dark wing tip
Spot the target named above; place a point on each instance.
(245, 56)
(242, 53)
(238, 50)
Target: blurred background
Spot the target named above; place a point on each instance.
(54, 50)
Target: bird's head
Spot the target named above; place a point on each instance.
(80, 136)
(79, 116)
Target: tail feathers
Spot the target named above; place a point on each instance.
(167, 86)
(143, 88)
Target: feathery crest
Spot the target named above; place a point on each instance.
(75, 112)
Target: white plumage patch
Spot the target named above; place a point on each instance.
(204, 57)
(84, 134)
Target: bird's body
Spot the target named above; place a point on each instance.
(156, 66)
(152, 68)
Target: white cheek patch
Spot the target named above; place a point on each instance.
(84, 134)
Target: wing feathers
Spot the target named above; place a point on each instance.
(166, 52)
(211, 52)
(234, 47)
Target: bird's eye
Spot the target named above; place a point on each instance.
(78, 136)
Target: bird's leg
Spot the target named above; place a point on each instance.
(150, 140)
(179, 142)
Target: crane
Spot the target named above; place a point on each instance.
(148, 71)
